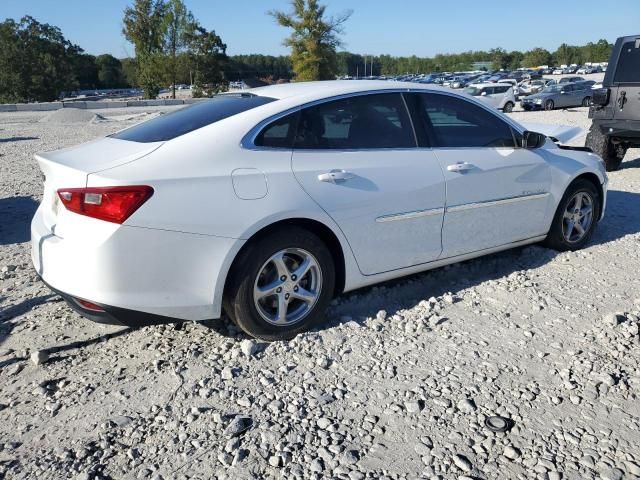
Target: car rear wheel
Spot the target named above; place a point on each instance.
(586, 101)
(576, 217)
(508, 107)
(281, 285)
(549, 105)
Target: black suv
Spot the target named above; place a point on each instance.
(615, 108)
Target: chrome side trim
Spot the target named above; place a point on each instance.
(408, 215)
(493, 203)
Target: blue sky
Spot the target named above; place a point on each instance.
(400, 27)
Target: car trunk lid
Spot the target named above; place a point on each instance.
(70, 167)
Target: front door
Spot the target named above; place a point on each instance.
(497, 193)
(357, 158)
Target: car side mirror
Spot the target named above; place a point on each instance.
(562, 92)
(531, 140)
(483, 94)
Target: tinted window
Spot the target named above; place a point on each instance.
(365, 121)
(567, 88)
(279, 134)
(191, 118)
(502, 89)
(455, 122)
(628, 69)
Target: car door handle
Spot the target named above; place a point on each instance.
(460, 167)
(335, 176)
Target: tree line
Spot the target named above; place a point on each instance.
(37, 63)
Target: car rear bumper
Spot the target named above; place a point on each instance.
(139, 275)
(111, 315)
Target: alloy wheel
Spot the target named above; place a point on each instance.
(287, 287)
(578, 217)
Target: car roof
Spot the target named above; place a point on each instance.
(310, 91)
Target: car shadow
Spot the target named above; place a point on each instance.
(13, 311)
(51, 351)
(17, 139)
(16, 214)
(635, 163)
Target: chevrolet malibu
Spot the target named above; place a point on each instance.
(265, 204)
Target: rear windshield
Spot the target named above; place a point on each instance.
(628, 70)
(191, 118)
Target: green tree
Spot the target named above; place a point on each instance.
(536, 57)
(109, 71)
(314, 39)
(208, 57)
(144, 26)
(36, 62)
(129, 72)
(177, 22)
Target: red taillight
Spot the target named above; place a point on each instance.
(112, 204)
(87, 305)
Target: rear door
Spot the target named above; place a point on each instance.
(357, 157)
(627, 81)
(497, 193)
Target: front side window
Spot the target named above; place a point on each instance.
(628, 69)
(456, 123)
(185, 120)
(359, 122)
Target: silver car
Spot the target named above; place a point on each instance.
(499, 95)
(559, 96)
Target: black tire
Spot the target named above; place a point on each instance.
(508, 107)
(549, 105)
(239, 300)
(556, 237)
(586, 101)
(602, 146)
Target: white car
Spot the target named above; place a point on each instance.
(267, 203)
(498, 95)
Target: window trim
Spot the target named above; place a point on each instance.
(248, 140)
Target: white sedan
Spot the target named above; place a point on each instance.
(267, 203)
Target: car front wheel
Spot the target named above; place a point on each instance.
(508, 107)
(576, 217)
(549, 105)
(281, 284)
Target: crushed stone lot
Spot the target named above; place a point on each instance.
(397, 384)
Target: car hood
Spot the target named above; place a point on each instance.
(562, 133)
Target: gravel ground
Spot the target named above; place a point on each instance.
(398, 383)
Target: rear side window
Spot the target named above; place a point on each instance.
(279, 134)
(191, 118)
(628, 69)
(503, 88)
(360, 122)
(457, 123)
